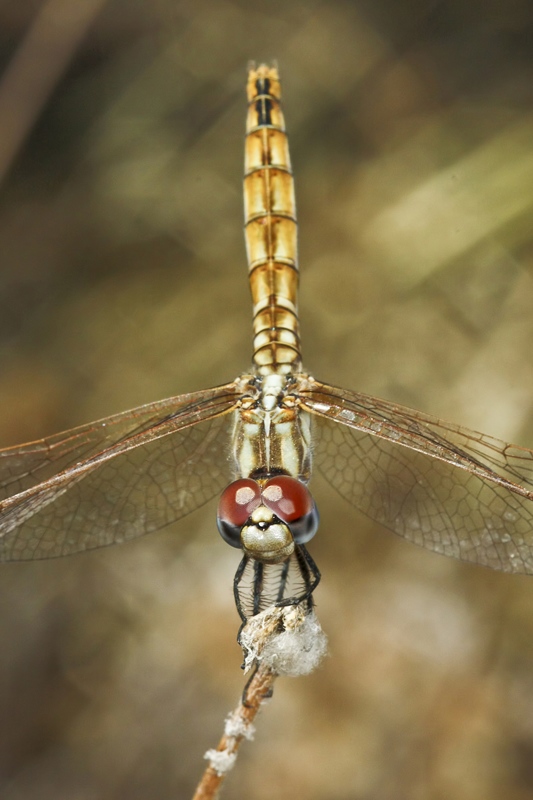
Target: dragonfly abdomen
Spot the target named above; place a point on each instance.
(270, 227)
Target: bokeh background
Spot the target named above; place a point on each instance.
(123, 280)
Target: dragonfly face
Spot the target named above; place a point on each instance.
(446, 488)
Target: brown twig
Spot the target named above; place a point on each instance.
(280, 641)
(239, 726)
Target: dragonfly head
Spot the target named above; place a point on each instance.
(266, 518)
(265, 537)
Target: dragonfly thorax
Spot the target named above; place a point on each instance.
(272, 434)
(272, 392)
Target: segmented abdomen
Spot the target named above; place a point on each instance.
(270, 227)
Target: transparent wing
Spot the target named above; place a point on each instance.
(446, 488)
(117, 478)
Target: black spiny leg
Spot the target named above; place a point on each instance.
(283, 578)
(310, 575)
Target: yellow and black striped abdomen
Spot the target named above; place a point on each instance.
(270, 227)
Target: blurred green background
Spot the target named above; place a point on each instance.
(123, 280)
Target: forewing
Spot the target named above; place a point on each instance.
(29, 464)
(446, 488)
(115, 479)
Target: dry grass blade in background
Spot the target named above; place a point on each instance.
(37, 67)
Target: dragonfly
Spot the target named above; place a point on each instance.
(256, 440)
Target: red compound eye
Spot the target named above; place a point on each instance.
(288, 498)
(291, 501)
(237, 502)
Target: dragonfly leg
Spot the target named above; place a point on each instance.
(236, 593)
(284, 577)
(257, 587)
(310, 575)
(251, 601)
(259, 581)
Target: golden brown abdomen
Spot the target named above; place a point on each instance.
(270, 227)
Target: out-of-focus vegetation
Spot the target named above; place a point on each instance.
(123, 280)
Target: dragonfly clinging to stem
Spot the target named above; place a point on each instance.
(256, 440)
